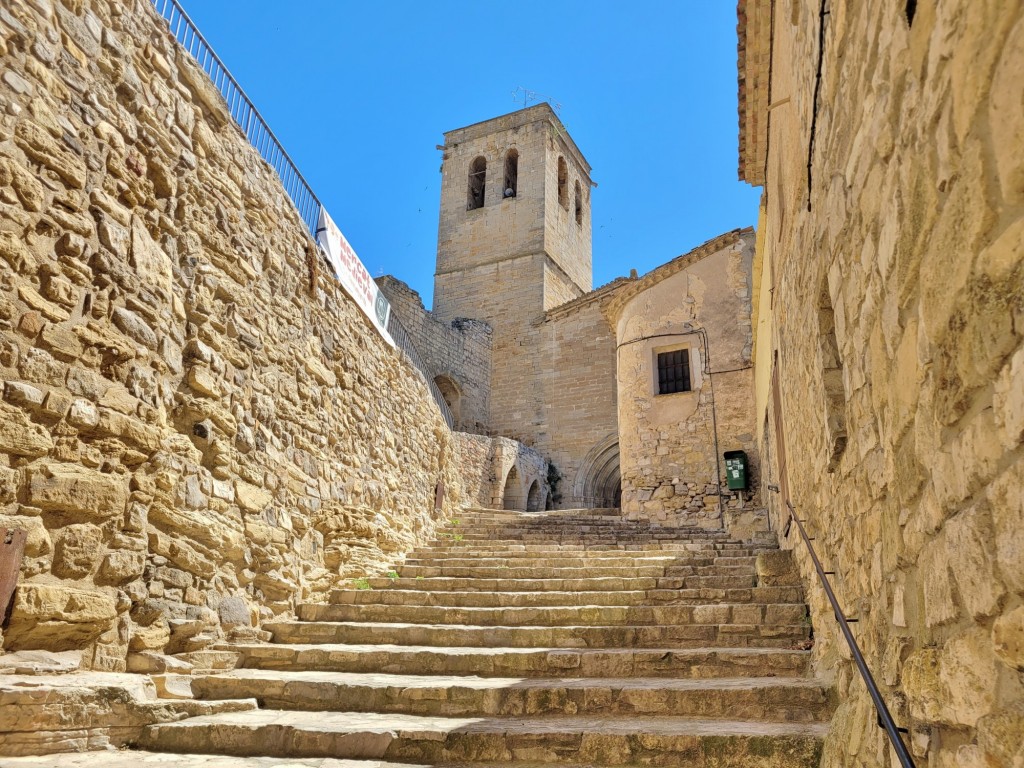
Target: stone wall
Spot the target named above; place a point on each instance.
(459, 351)
(198, 427)
(893, 304)
(530, 222)
(577, 353)
(486, 465)
(671, 444)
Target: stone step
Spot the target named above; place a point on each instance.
(609, 544)
(604, 741)
(516, 572)
(463, 552)
(668, 636)
(515, 514)
(538, 598)
(568, 536)
(560, 616)
(576, 526)
(538, 661)
(578, 557)
(553, 572)
(597, 584)
(446, 558)
(582, 531)
(764, 698)
(141, 759)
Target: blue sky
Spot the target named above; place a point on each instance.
(360, 94)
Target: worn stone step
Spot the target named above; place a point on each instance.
(537, 661)
(582, 560)
(448, 584)
(538, 598)
(604, 741)
(561, 546)
(764, 698)
(555, 549)
(597, 584)
(559, 616)
(515, 572)
(670, 636)
(550, 538)
(531, 571)
(588, 560)
(621, 543)
(104, 758)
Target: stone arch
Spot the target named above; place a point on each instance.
(452, 394)
(598, 481)
(535, 497)
(511, 187)
(477, 183)
(563, 183)
(512, 495)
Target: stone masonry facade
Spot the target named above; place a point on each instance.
(890, 315)
(198, 427)
(671, 444)
(514, 255)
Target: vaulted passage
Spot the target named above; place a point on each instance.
(535, 498)
(512, 497)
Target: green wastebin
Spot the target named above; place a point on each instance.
(736, 470)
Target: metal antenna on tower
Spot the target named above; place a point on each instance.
(526, 96)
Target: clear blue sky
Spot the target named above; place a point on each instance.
(361, 92)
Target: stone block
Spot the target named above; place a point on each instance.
(56, 617)
(1008, 638)
(19, 436)
(120, 567)
(203, 381)
(251, 498)
(234, 612)
(954, 685)
(135, 327)
(77, 550)
(77, 492)
(970, 539)
(38, 543)
(776, 569)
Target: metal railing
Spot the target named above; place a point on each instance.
(404, 343)
(885, 720)
(242, 110)
(258, 133)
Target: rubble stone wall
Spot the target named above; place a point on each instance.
(485, 465)
(459, 351)
(897, 298)
(198, 428)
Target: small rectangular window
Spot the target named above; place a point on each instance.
(673, 371)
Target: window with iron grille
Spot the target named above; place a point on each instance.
(674, 371)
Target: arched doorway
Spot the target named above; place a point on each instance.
(452, 395)
(598, 481)
(512, 496)
(535, 498)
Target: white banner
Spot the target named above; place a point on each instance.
(353, 275)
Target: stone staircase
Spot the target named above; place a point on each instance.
(571, 638)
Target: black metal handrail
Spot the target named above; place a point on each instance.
(885, 720)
